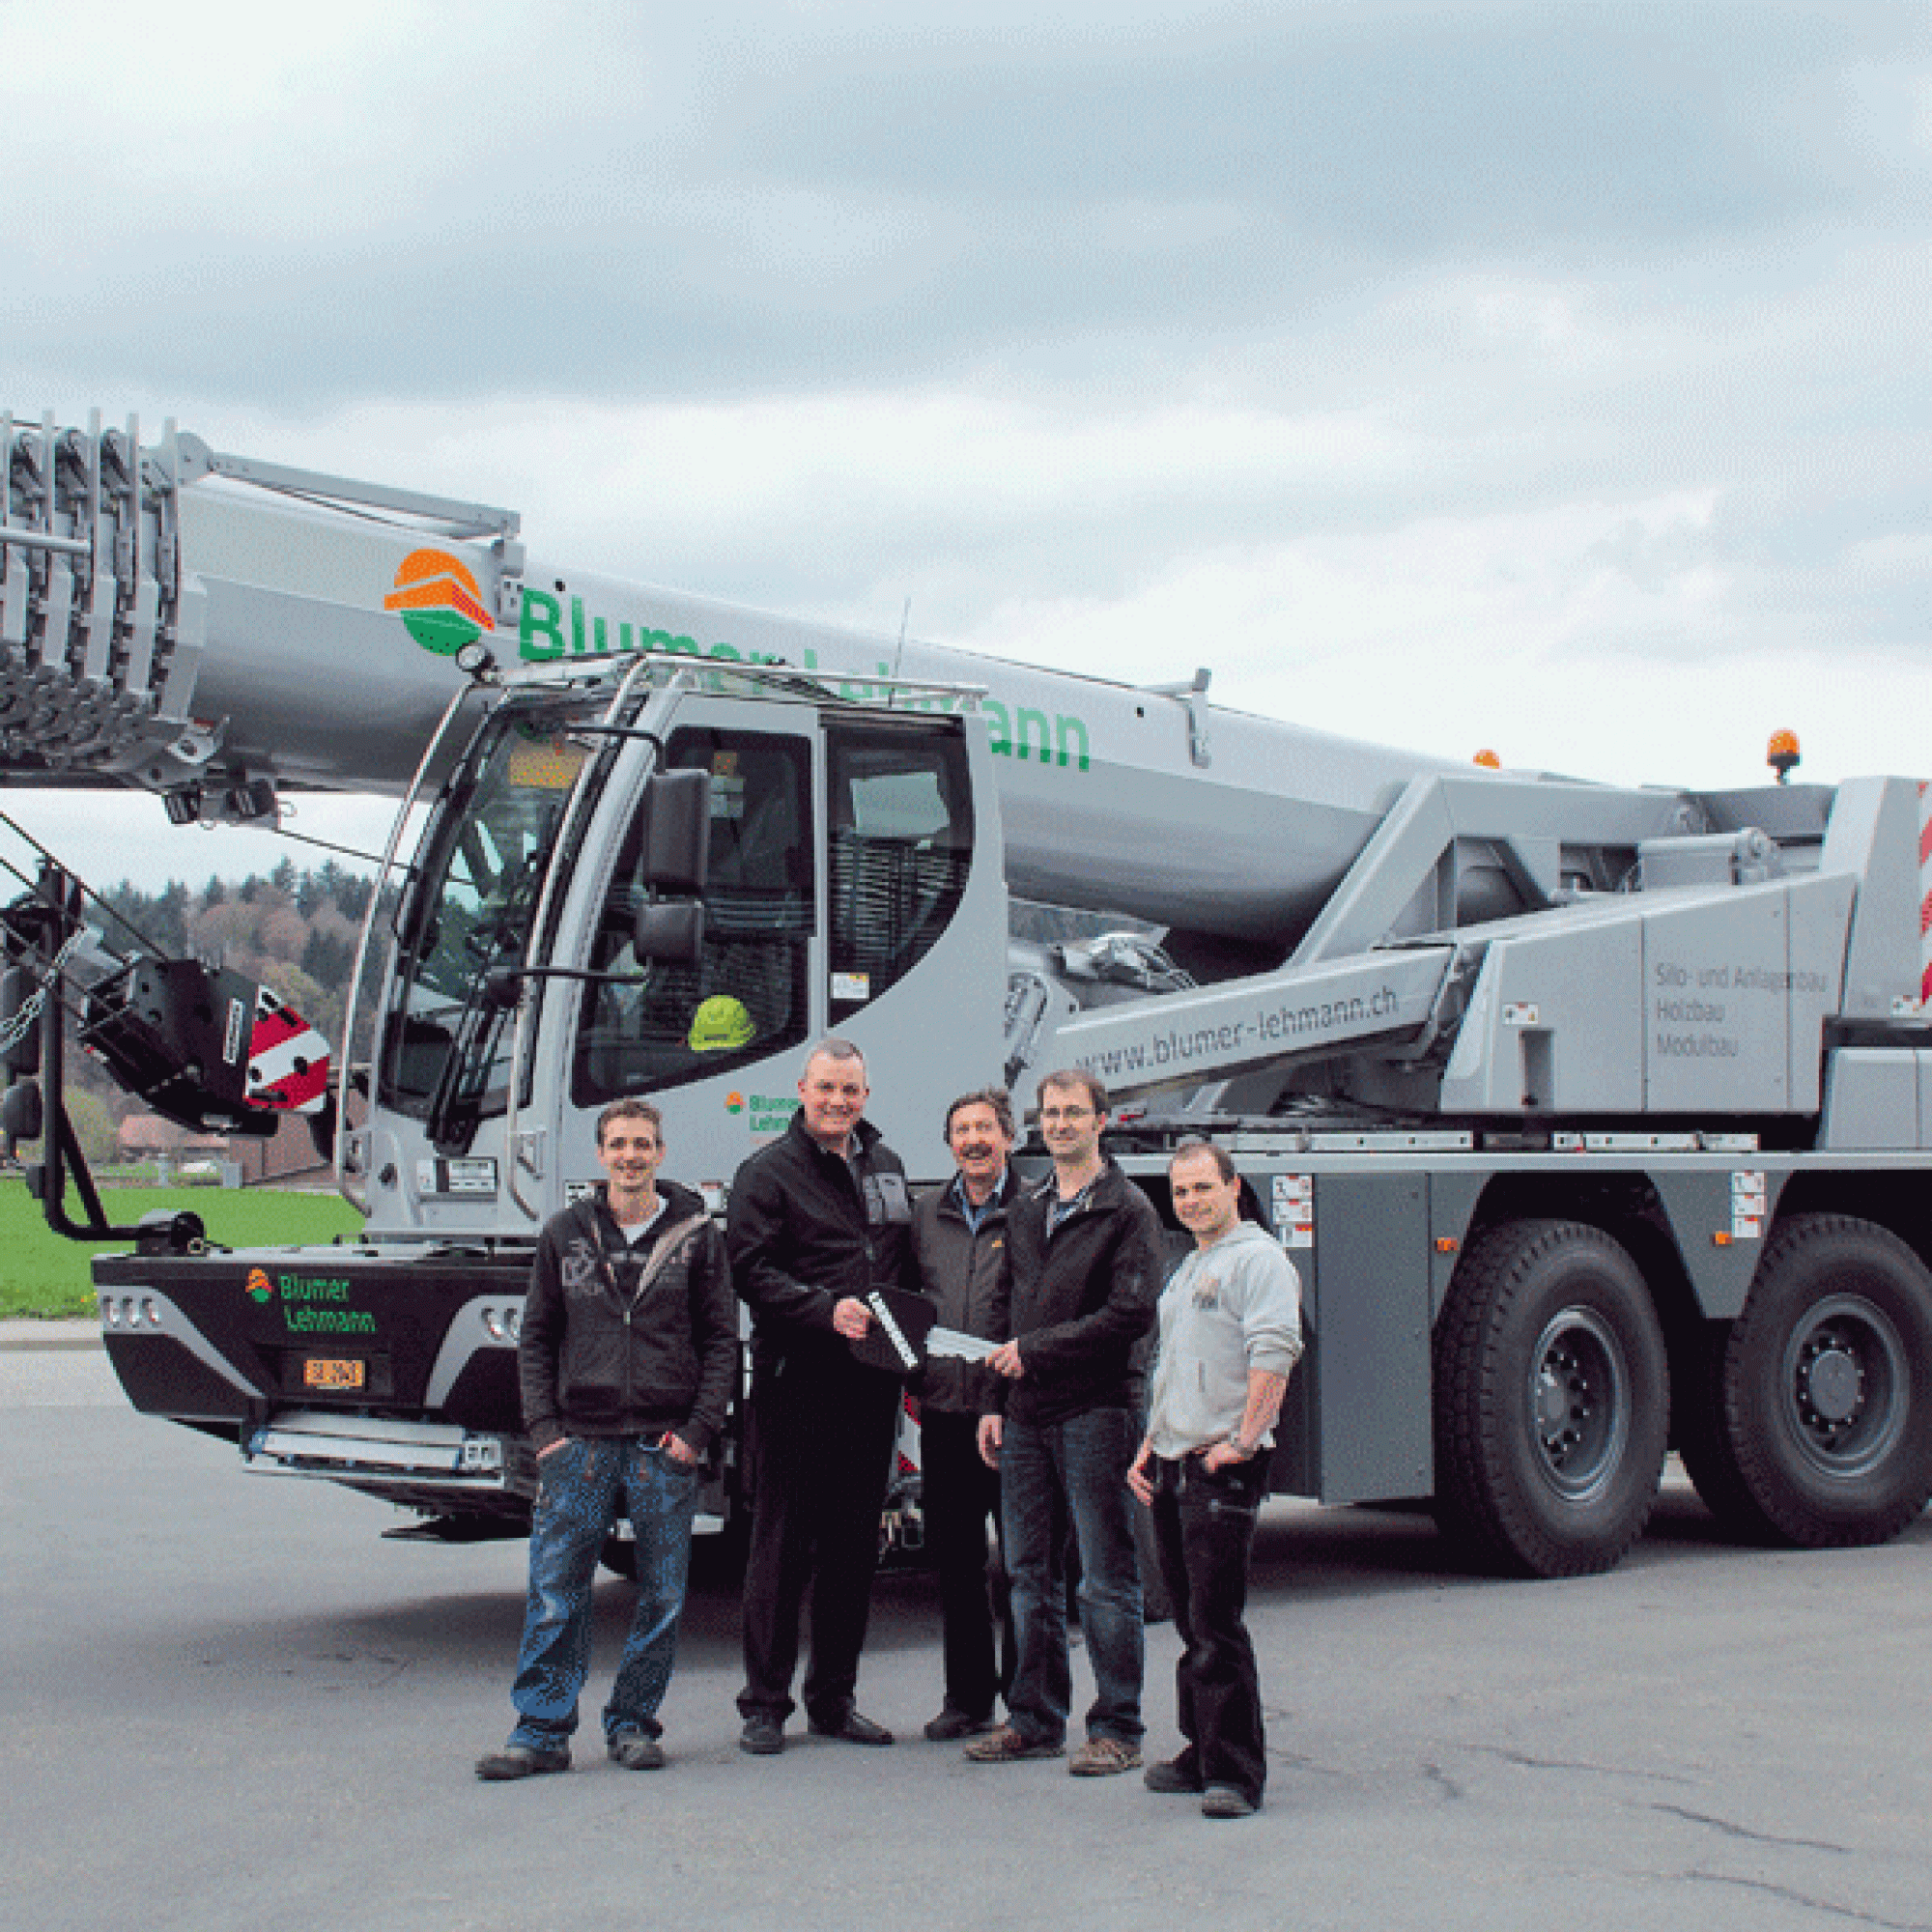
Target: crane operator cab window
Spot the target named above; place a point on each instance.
(447, 1047)
(899, 845)
(657, 1024)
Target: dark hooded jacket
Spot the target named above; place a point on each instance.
(624, 1342)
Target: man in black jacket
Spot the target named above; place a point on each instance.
(1079, 1290)
(960, 1232)
(629, 1346)
(818, 1220)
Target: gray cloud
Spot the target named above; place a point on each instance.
(777, 200)
(1543, 335)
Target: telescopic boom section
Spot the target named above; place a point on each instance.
(214, 628)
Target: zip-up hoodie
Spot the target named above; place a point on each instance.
(1229, 1309)
(1077, 1300)
(604, 1352)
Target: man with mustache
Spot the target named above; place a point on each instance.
(960, 1232)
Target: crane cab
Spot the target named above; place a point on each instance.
(672, 889)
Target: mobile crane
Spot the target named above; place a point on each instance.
(1597, 1119)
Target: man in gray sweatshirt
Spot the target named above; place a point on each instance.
(1230, 1333)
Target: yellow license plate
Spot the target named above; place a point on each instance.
(321, 1371)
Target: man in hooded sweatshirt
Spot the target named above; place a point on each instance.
(628, 1354)
(1229, 1334)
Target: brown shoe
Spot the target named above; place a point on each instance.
(1006, 1745)
(1103, 1757)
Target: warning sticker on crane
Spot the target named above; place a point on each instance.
(288, 1059)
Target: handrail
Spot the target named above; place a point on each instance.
(539, 921)
(410, 798)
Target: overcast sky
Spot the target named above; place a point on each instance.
(1544, 377)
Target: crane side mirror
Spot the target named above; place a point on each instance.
(676, 851)
(672, 932)
(17, 985)
(21, 1114)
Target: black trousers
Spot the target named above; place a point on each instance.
(1206, 1527)
(960, 1496)
(821, 1451)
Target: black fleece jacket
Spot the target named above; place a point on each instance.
(1078, 1299)
(804, 1233)
(599, 1355)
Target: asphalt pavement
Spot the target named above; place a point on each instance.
(228, 1703)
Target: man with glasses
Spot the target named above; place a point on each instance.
(1077, 1294)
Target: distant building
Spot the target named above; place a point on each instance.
(147, 1137)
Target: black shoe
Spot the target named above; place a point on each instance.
(763, 1735)
(636, 1751)
(1223, 1801)
(853, 1728)
(950, 1726)
(1171, 1777)
(519, 1761)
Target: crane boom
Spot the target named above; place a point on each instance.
(215, 628)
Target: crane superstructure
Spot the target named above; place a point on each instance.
(1559, 1093)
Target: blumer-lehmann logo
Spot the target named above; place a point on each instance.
(311, 1305)
(443, 609)
(440, 602)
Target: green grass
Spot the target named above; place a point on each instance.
(42, 1274)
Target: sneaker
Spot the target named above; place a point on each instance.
(636, 1751)
(1171, 1777)
(950, 1726)
(516, 1761)
(763, 1735)
(1004, 1745)
(1223, 1801)
(1103, 1757)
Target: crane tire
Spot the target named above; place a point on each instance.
(1551, 1403)
(1811, 1425)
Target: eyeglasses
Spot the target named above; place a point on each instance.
(1051, 1116)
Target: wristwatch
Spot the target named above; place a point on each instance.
(1244, 1450)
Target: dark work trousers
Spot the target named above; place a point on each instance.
(821, 1447)
(1206, 1526)
(961, 1495)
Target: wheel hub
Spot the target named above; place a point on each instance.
(1834, 1384)
(1847, 1375)
(1578, 1410)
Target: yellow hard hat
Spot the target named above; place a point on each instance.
(720, 1025)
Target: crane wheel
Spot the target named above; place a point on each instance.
(1811, 1421)
(1553, 1402)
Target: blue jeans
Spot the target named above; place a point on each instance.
(1051, 1473)
(584, 1482)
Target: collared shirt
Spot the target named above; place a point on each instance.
(1062, 1206)
(963, 1201)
